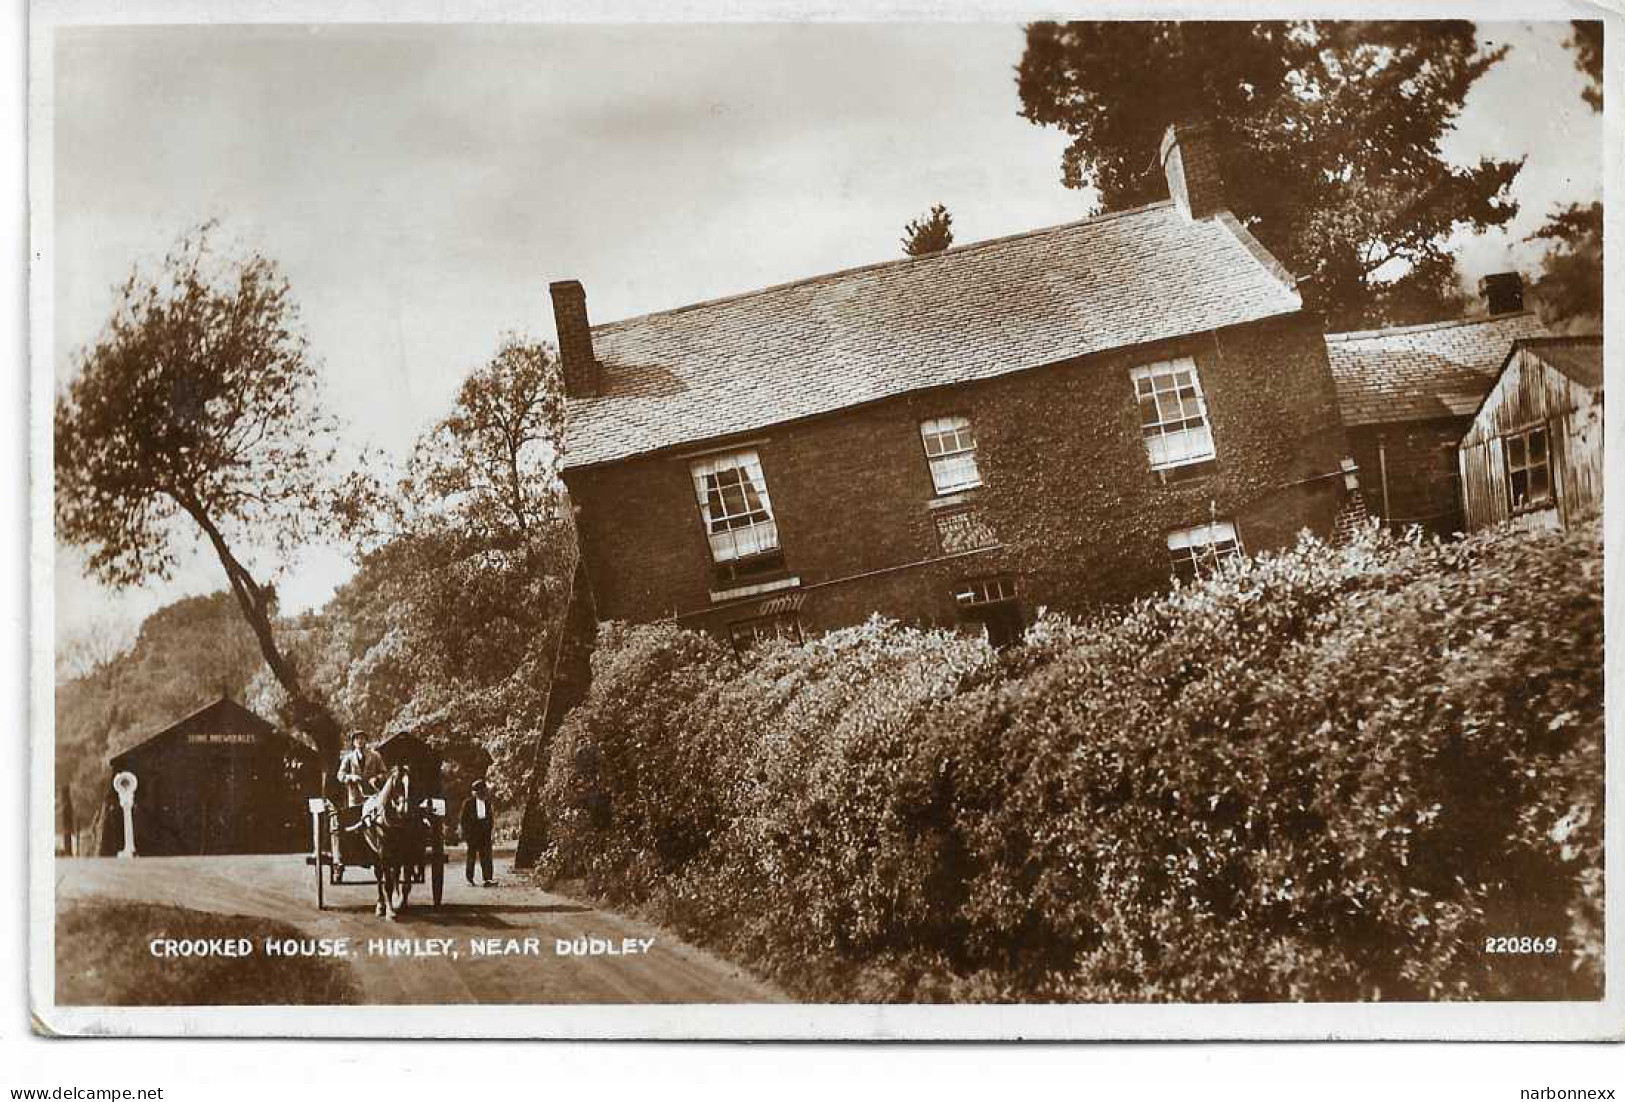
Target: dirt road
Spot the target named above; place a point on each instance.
(280, 887)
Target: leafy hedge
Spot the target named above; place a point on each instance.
(1324, 774)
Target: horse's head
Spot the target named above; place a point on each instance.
(393, 794)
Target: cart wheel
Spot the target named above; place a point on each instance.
(437, 871)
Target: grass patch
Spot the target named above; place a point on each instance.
(102, 959)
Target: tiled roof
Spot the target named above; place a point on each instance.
(1580, 358)
(742, 363)
(1418, 372)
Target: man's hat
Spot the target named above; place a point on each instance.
(479, 782)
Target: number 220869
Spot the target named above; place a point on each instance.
(1520, 945)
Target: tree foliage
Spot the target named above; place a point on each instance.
(447, 631)
(930, 233)
(1585, 39)
(1569, 288)
(1329, 135)
(182, 657)
(198, 410)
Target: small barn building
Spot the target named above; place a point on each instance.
(1533, 454)
(1408, 393)
(221, 780)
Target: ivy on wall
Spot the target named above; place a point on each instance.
(1069, 488)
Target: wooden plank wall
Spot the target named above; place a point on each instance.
(1577, 462)
(1483, 484)
(1528, 393)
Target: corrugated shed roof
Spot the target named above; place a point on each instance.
(1580, 358)
(743, 363)
(1418, 372)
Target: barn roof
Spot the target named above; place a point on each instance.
(1578, 357)
(800, 349)
(224, 713)
(1419, 372)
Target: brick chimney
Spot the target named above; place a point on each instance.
(1190, 159)
(583, 374)
(1503, 292)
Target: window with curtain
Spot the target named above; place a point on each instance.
(950, 448)
(734, 504)
(1173, 413)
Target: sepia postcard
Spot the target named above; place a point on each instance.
(567, 521)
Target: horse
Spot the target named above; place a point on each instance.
(394, 831)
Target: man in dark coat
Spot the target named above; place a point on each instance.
(476, 817)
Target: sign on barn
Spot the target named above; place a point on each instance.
(221, 780)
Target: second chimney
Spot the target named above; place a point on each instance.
(1503, 292)
(1190, 159)
(583, 374)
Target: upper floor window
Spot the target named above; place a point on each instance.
(1529, 475)
(950, 447)
(1191, 551)
(1173, 413)
(733, 501)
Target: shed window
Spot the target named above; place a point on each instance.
(1194, 551)
(950, 447)
(1173, 413)
(733, 501)
(1529, 476)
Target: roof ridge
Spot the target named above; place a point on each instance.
(1449, 323)
(1257, 250)
(1561, 338)
(1109, 216)
(223, 698)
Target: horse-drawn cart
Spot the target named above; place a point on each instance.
(340, 842)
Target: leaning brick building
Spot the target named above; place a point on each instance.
(1063, 417)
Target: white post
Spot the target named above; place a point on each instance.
(125, 784)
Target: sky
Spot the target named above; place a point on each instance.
(421, 185)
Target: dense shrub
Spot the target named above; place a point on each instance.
(1323, 774)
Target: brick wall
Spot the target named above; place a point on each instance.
(580, 366)
(1067, 489)
(1423, 475)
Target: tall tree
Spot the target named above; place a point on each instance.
(930, 233)
(198, 411)
(1330, 137)
(471, 555)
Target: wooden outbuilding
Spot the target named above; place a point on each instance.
(220, 780)
(1533, 454)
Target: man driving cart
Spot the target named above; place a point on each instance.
(361, 770)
